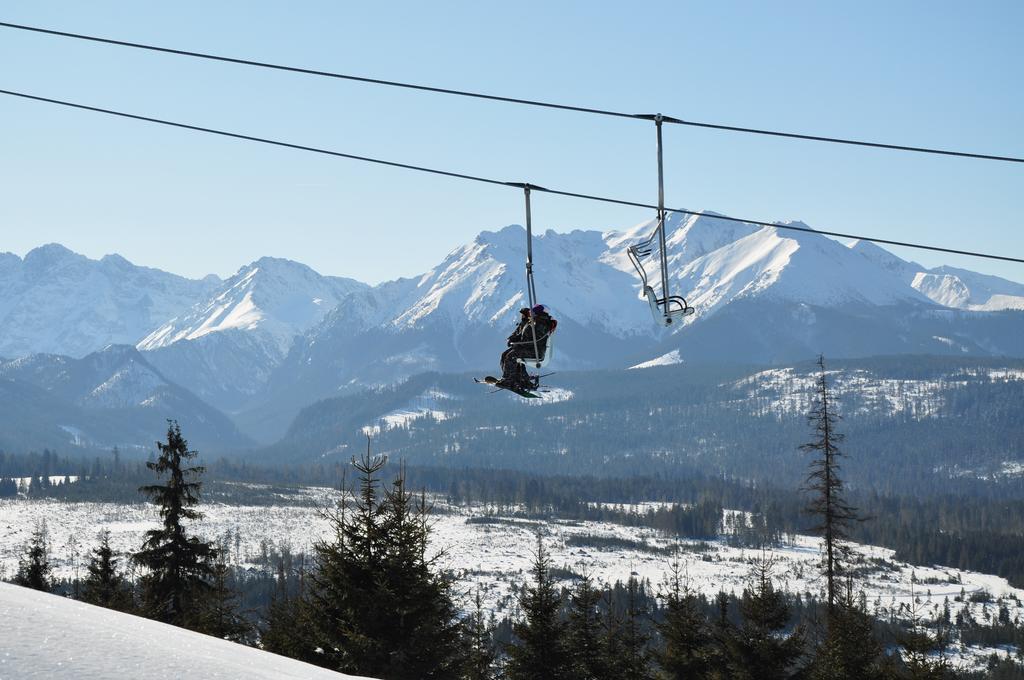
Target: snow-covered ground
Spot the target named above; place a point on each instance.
(51, 637)
(669, 359)
(785, 391)
(430, 404)
(491, 553)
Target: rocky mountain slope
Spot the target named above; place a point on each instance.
(60, 302)
(225, 347)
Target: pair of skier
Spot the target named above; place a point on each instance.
(528, 342)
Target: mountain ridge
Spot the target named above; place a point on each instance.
(277, 336)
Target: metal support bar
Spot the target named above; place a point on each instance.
(531, 289)
(658, 119)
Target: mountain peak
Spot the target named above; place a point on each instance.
(507, 236)
(49, 255)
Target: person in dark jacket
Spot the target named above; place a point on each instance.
(533, 324)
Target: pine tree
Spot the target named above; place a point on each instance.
(637, 663)
(8, 487)
(541, 652)
(613, 644)
(180, 566)
(850, 650)
(584, 633)
(723, 635)
(686, 652)
(105, 585)
(377, 605)
(759, 649)
(34, 565)
(218, 615)
(286, 630)
(480, 635)
(828, 503)
(920, 661)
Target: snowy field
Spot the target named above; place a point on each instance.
(491, 553)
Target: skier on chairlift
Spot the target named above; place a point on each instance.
(528, 343)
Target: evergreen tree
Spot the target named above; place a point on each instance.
(759, 649)
(34, 565)
(722, 640)
(585, 642)
(850, 650)
(614, 639)
(828, 505)
(286, 630)
(218, 615)
(922, 651)
(636, 661)
(180, 566)
(685, 652)
(541, 652)
(480, 635)
(105, 585)
(8, 487)
(377, 604)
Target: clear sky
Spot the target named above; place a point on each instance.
(946, 74)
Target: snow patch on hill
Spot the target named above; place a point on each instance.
(431, 404)
(787, 392)
(668, 359)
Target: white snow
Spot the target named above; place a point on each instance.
(47, 636)
(426, 405)
(550, 395)
(785, 391)
(482, 283)
(61, 302)
(664, 360)
(131, 385)
(274, 298)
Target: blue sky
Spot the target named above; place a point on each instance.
(922, 73)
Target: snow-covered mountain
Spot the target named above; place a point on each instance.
(278, 336)
(224, 347)
(762, 295)
(113, 397)
(949, 286)
(61, 302)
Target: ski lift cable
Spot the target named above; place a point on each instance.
(510, 100)
(487, 180)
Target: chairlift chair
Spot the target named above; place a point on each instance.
(667, 308)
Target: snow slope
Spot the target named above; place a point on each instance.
(277, 298)
(949, 286)
(46, 636)
(225, 347)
